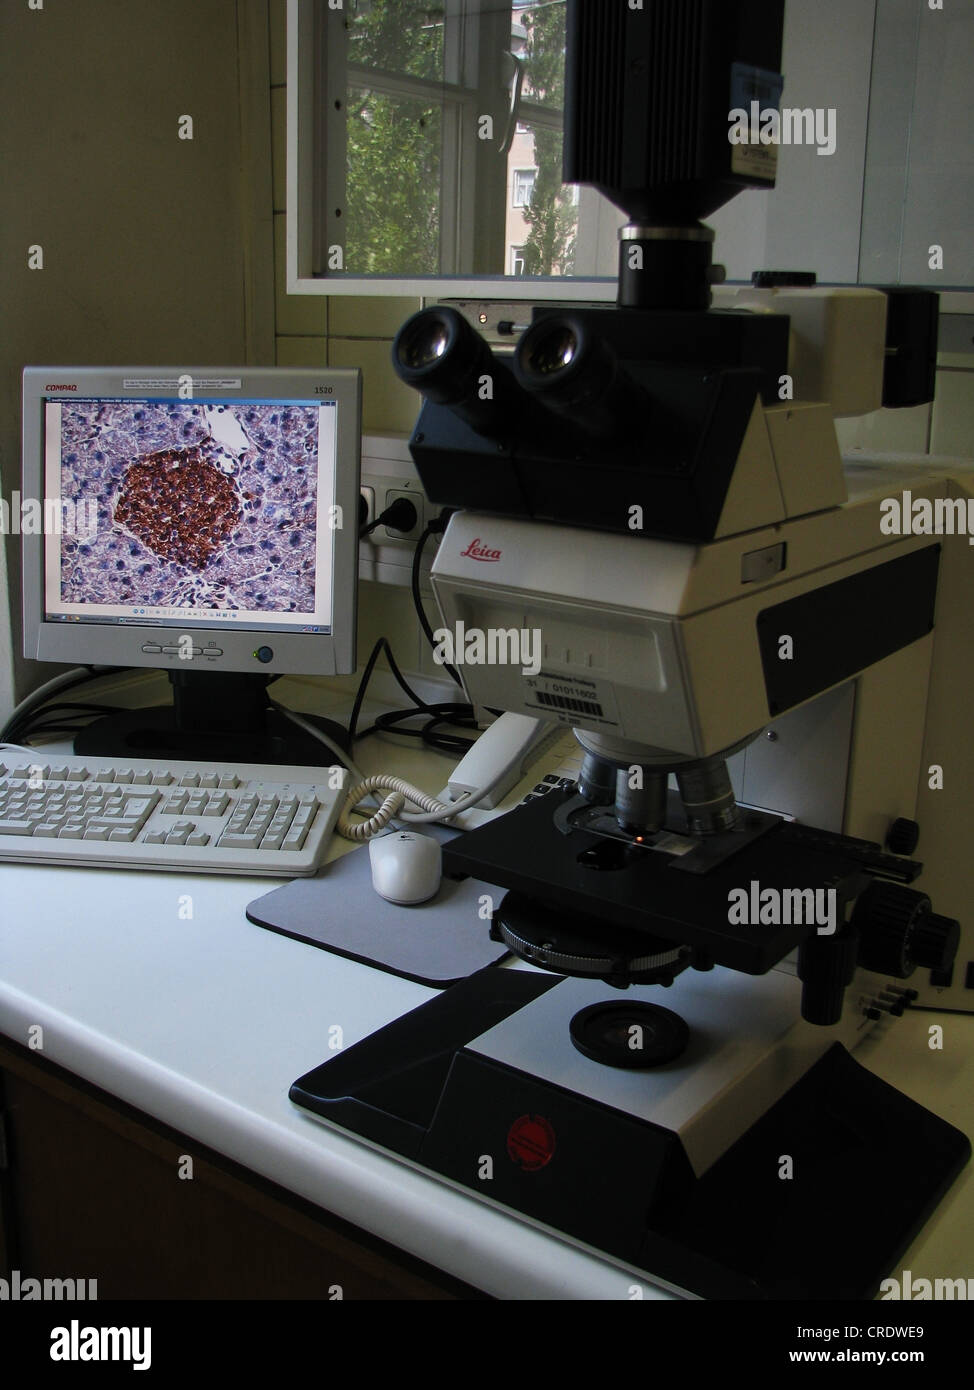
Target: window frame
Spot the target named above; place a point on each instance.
(303, 252)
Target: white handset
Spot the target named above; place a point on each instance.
(514, 742)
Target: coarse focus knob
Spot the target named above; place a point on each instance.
(903, 836)
(898, 931)
(935, 941)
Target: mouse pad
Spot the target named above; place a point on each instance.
(435, 943)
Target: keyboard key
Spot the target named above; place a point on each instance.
(138, 807)
(96, 806)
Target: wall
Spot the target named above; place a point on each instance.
(156, 249)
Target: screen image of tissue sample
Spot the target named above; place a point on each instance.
(199, 505)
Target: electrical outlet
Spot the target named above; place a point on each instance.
(367, 514)
(388, 472)
(415, 496)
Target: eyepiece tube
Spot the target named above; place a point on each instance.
(444, 357)
(573, 371)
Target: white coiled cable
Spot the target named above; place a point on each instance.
(399, 793)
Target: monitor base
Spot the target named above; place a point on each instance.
(154, 733)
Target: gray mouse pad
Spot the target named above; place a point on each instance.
(435, 943)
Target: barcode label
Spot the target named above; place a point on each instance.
(565, 702)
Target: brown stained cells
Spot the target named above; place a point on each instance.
(199, 505)
(179, 505)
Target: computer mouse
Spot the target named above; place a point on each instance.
(406, 867)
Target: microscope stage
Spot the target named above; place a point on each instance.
(524, 851)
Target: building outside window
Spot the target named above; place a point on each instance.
(523, 187)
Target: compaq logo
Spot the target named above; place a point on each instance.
(62, 386)
(476, 551)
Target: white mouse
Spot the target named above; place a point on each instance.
(406, 867)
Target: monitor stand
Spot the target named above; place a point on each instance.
(215, 717)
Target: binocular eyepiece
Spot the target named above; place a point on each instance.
(562, 373)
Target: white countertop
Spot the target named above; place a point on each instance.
(205, 1022)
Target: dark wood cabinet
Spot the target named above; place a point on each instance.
(93, 1189)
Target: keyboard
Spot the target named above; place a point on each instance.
(196, 817)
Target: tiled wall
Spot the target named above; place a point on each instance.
(343, 331)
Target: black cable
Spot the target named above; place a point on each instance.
(48, 729)
(434, 528)
(456, 715)
(18, 721)
(400, 515)
(460, 714)
(36, 720)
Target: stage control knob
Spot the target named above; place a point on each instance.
(898, 931)
(903, 836)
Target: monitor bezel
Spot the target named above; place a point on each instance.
(119, 644)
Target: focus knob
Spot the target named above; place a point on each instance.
(898, 931)
(935, 941)
(903, 836)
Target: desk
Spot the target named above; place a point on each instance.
(201, 1023)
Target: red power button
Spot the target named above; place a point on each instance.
(531, 1142)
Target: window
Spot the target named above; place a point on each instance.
(517, 260)
(431, 120)
(523, 187)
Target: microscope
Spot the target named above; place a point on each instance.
(725, 904)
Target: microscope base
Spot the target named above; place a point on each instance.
(657, 1169)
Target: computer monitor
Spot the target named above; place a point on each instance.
(199, 520)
